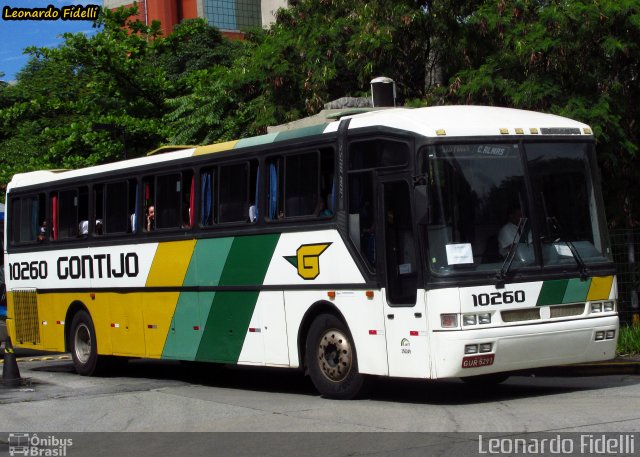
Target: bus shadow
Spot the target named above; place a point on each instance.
(397, 390)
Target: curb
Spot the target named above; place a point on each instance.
(41, 359)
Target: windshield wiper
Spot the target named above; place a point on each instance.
(582, 267)
(501, 276)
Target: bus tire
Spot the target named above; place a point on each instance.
(84, 346)
(491, 379)
(331, 359)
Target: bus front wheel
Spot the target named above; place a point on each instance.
(331, 359)
(84, 347)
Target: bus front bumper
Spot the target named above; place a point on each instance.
(512, 348)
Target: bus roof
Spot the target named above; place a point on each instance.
(466, 120)
(437, 121)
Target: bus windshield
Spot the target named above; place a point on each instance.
(479, 210)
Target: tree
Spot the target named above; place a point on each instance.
(317, 51)
(78, 104)
(575, 58)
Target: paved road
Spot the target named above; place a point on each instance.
(152, 396)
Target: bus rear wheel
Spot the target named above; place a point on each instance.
(84, 347)
(331, 359)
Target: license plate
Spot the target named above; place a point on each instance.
(476, 361)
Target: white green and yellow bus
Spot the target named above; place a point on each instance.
(439, 242)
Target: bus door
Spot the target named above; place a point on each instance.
(404, 308)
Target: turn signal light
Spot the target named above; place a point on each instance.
(449, 320)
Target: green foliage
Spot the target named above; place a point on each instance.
(629, 340)
(96, 98)
(576, 58)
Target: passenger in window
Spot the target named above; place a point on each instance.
(42, 233)
(322, 208)
(253, 213)
(98, 228)
(186, 218)
(83, 229)
(151, 219)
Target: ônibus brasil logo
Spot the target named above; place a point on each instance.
(307, 259)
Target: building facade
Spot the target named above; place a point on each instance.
(232, 17)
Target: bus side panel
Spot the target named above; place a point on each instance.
(193, 308)
(363, 317)
(266, 340)
(185, 332)
(157, 311)
(125, 324)
(38, 320)
(241, 267)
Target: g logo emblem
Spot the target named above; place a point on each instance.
(307, 259)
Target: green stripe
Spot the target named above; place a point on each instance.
(552, 292)
(300, 133)
(577, 291)
(228, 320)
(193, 308)
(256, 140)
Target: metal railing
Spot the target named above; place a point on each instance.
(625, 244)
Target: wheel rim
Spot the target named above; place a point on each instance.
(335, 355)
(82, 343)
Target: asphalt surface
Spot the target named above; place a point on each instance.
(620, 365)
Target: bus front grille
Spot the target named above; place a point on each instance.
(567, 310)
(25, 305)
(517, 315)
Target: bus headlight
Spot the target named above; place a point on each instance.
(484, 318)
(609, 306)
(596, 307)
(469, 319)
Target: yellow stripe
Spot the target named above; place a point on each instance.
(210, 149)
(170, 264)
(600, 288)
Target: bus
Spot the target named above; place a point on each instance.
(439, 242)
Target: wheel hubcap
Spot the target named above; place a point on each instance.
(82, 343)
(335, 355)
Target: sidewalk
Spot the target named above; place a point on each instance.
(619, 365)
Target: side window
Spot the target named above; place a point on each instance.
(116, 204)
(377, 154)
(28, 221)
(362, 228)
(149, 213)
(400, 245)
(237, 192)
(187, 208)
(366, 157)
(70, 214)
(98, 209)
(169, 201)
(167, 204)
(208, 193)
(233, 193)
(66, 217)
(301, 185)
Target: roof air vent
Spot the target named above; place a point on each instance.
(383, 92)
